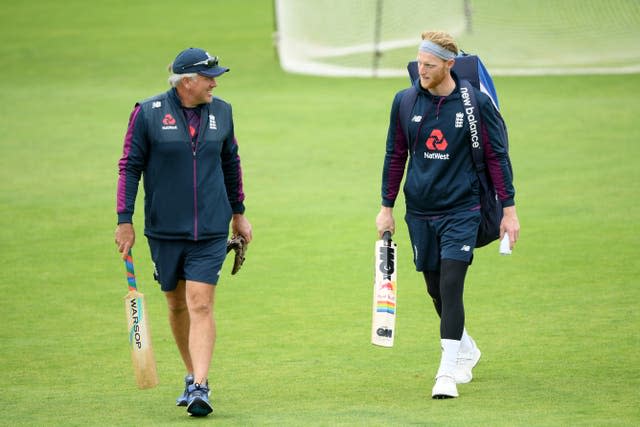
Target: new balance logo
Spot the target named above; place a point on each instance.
(465, 248)
(416, 119)
(471, 118)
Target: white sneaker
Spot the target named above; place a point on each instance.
(445, 388)
(464, 365)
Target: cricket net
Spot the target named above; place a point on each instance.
(368, 38)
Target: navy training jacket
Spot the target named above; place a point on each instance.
(191, 191)
(441, 176)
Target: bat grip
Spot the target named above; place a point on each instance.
(131, 275)
(386, 236)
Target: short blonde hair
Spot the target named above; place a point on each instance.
(441, 38)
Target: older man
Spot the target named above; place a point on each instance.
(183, 143)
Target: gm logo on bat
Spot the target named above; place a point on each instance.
(384, 332)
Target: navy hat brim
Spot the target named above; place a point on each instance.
(213, 71)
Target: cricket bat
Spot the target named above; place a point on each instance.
(144, 363)
(383, 327)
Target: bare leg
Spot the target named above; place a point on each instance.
(179, 321)
(202, 331)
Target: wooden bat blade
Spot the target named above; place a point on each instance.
(383, 327)
(144, 362)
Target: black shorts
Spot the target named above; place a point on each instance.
(199, 261)
(449, 236)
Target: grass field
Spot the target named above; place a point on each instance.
(557, 321)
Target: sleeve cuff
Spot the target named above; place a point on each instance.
(508, 202)
(125, 218)
(237, 208)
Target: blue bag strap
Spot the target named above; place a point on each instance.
(404, 111)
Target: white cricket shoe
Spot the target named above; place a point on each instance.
(465, 364)
(445, 388)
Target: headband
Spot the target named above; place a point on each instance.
(435, 49)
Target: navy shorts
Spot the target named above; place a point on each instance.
(449, 236)
(199, 261)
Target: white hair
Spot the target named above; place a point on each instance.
(174, 78)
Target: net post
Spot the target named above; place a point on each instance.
(377, 53)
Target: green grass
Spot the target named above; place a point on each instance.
(557, 321)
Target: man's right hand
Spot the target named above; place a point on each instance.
(385, 221)
(125, 238)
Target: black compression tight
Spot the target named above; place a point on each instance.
(446, 288)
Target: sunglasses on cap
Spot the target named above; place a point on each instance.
(210, 62)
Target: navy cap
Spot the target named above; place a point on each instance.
(194, 60)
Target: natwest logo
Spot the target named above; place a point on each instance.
(168, 120)
(436, 141)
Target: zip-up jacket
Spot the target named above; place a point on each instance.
(441, 177)
(191, 187)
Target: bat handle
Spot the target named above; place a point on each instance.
(386, 236)
(131, 275)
